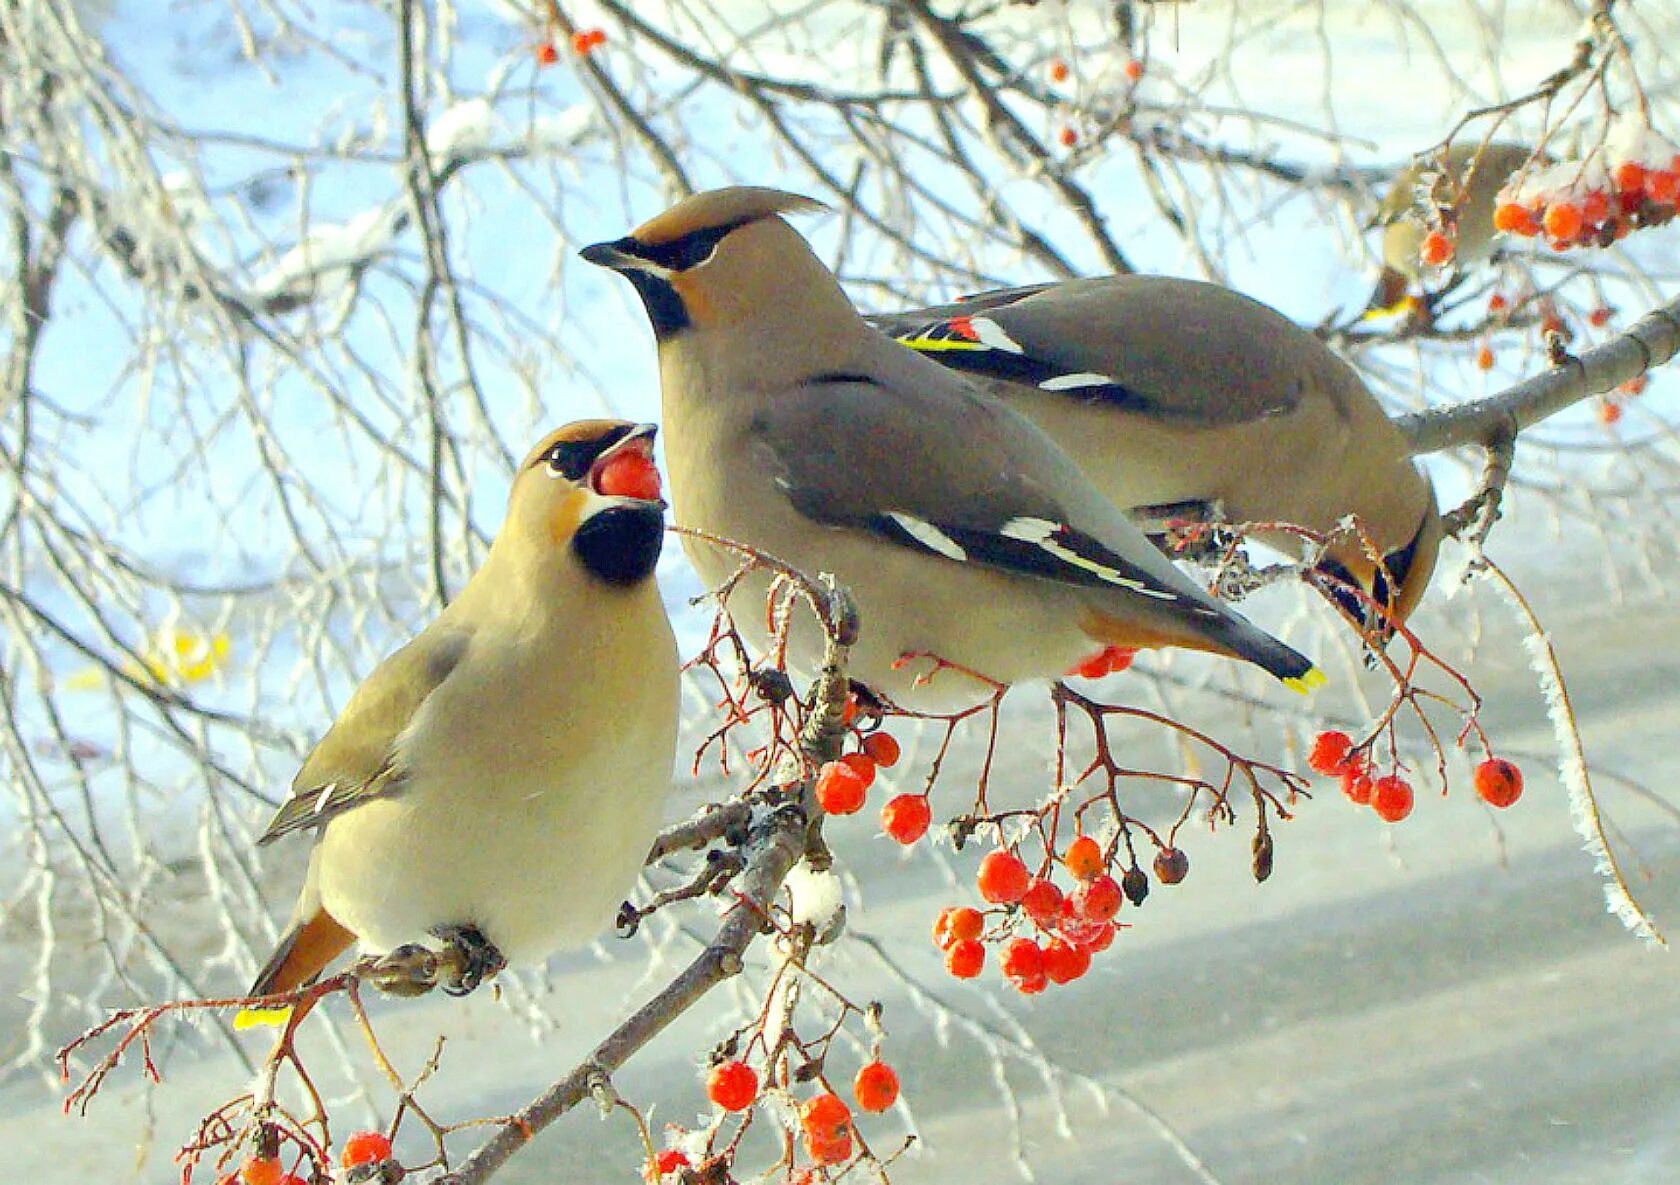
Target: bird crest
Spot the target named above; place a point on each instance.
(735, 206)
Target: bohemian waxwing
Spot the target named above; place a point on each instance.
(971, 543)
(496, 783)
(1481, 172)
(1184, 400)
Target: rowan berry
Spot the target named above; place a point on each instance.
(1629, 177)
(1514, 219)
(965, 959)
(1058, 70)
(1023, 966)
(1600, 317)
(1609, 412)
(1330, 752)
(876, 1086)
(1391, 798)
(1002, 878)
(1067, 137)
(364, 1148)
(547, 55)
(1134, 69)
(835, 1151)
(1564, 222)
(1065, 961)
(1042, 902)
(1098, 899)
(1484, 358)
(1171, 865)
(1357, 785)
(1437, 248)
(629, 475)
(882, 749)
(841, 790)
(906, 818)
(732, 1085)
(957, 923)
(1498, 782)
(1083, 858)
(261, 1170)
(825, 1117)
(1662, 187)
(1135, 884)
(669, 1161)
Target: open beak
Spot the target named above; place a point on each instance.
(638, 442)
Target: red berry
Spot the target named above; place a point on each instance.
(863, 765)
(365, 1148)
(1002, 878)
(825, 1117)
(1171, 866)
(1391, 798)
(957, 923)
(1437, 248)
(629, 475)
(1042, 902)
(1099, 899)
(547, 55)
(1357, 785)
(1609, 411)
(1330, 753)
(1023, 966)
(841, 790)
(882, 749)
(1600, 317)
(1662, 187)
(732, 1085)
(1630, 177)
(834, 1151)
(1098, 939)
(261, 1170)
(1134, 69)
(1498, 782)
(1083, 858)
(581, 43)
(1068, 137)
(965, 958)
(1497, 303)
(1514, 219)
(1484, 358)
(1635, 386)
(1564, 222)
(1065, 962)
(876, 1086)
(906, 817)
(669, 1161)
(1058, 70)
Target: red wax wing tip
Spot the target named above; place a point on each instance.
(629, 475)
(963, 327)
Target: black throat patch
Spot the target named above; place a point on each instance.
(620, 546)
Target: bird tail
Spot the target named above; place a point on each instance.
(306, 950)
(1227, 634)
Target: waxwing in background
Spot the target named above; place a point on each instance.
(1186, 401)
(973, 545)
(494, 786)
(1481, 172)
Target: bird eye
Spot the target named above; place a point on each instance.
(571, 459)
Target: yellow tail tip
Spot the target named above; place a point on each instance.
(251, 1018)
(1308, 682)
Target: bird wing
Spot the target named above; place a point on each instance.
(357, 760)
(1152, 345)
(950, 473)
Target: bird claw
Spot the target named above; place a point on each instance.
(467, 959)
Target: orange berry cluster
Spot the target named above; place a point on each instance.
(1496, 781)
(1072, 926)
(587, 41)
(843, 787)
(1633, 182)
(825, 1120)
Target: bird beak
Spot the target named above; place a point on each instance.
(613, 256)
(639, 440)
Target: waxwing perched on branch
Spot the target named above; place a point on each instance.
(968, 538)
(1474, 191)
(497, 782)
(1184, 400)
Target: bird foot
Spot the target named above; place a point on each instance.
(467, 959)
